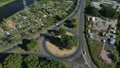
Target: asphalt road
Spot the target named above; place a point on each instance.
(82, 40)
(10, 49)
(81, 21)
(69, 17)
(77, 55)
(80, 46)
(51, 27)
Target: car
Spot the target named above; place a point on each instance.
(103, 40)
(15, 46)
(76, 11)
(57, 24)
(84, 52)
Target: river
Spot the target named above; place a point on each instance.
(12, 8)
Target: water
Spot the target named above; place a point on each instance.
(14, 7)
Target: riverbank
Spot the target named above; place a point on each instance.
(7, 11)
(6, 2)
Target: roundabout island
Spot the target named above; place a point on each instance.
(55, 50)
(62, 46)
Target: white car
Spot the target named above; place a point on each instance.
(84, 52)
(57, 24)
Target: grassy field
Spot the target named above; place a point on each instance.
(76, 22)
(36, 49)
(96, 47)
(5, 2)
(76, 18)
(17, 50)
(25, 23)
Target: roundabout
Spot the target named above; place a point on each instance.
(54, 52)
(76, 51)
(57, 52)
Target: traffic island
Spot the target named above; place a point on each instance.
(57, 48)
(58, 52)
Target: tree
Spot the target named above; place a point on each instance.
(67, 42)
(90, 10)
(88, 2)
(52, 34)
(19, 61)
(57, 18)
(31, 61)
(116, 55)
(33, 43)
(118, 23)
(108, 12)
(13, 61)
(70, 23)
(75, 40)
(62, 31)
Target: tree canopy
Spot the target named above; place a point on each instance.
(19, 61)
(90, 10)
(105, 11)
(108, 12)
(33, 43)
(62, 31)
(31, 61)
(70, 23)
(67, 42)
(88, 2)
(13, 61)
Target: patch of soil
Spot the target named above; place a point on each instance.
(56, 51)
(10, 24)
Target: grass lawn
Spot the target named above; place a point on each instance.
(36, 49)
(36, 13)
(76, 22)
(18, 50)
(96, 47)
(5, 2)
